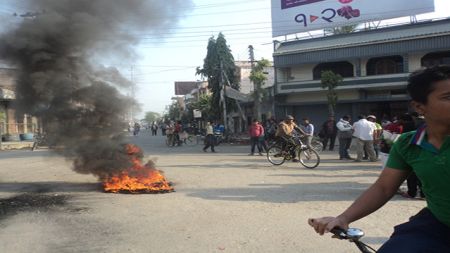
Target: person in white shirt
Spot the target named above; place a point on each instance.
(309, 131)
(364, 133)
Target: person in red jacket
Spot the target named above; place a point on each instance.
(256, 131)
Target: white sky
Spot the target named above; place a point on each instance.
(174, 55)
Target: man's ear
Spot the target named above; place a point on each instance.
(418, 107)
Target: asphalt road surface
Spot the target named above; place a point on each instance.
(224, 202)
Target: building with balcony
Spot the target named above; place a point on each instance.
(375, 65)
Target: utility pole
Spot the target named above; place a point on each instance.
(256, 102)
(132, 91)
(222, 84)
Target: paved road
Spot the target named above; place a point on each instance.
(224, 202)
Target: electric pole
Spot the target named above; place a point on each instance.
(256, 100)
(222, 93)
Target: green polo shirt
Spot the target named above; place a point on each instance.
(412, 151)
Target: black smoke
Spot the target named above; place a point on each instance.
(60, 53)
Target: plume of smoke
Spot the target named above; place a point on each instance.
(59, 78)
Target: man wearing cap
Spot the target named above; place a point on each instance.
(285, 130)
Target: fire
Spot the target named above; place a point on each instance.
(138, 178)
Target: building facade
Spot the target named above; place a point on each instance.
(12, 124)
(375, 65)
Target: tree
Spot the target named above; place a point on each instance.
(173, 112)
(258, 77)
(204, 105)
(152, 116)
(330, 81)
(218, 63)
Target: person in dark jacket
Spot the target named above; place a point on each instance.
(328, 133)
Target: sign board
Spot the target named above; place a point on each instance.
(296, 16)
(235, 94)
(197, 113)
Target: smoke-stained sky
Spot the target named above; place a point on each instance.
(58, 51)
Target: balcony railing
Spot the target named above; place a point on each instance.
(347, 83)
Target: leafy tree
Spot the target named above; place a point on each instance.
(204, 105)
(173, 112)
(152, 116)
(258, 77)
(219, 62)
(345, 29)
(330, 81)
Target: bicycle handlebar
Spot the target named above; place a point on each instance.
(353, 235)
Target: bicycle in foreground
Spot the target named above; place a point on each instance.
(278, 153)
(353, 235)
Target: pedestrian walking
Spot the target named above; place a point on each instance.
(309, 132)
(154, 129)
(209, 138)
(363, 131)
(255, 131)
(328, 133)
(344, 135)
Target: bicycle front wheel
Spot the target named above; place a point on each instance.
(309, 158)
(275, 155)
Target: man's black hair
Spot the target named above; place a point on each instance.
(421, 83)
(346, 117)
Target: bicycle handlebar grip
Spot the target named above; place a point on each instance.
(339, 232)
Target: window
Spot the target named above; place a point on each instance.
(434, 59)
(385, 65)
(343, 68)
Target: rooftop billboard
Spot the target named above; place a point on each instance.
(296, 16)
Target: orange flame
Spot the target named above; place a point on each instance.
(138, 178)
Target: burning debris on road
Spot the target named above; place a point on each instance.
(138, 178)
(61, 81)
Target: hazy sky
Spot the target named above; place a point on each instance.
(174, 54)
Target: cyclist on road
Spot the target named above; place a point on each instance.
(425, 152)
(285, 131)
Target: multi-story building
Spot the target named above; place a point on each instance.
(375, 65)
(243, 71)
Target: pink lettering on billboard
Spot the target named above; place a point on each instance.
(293, 3)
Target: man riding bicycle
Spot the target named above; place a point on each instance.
(425, 152)
(285, 131)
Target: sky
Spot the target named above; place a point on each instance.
(174, 54)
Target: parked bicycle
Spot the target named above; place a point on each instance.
(353, 235)
(279, 152)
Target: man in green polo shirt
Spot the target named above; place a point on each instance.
(427, 153)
